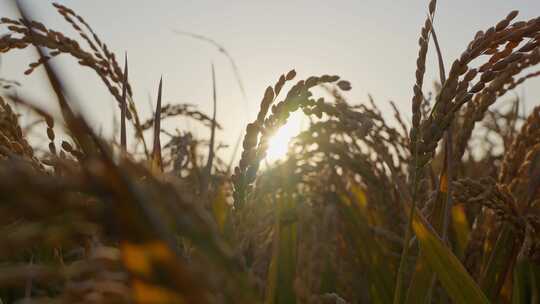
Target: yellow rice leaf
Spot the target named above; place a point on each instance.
(135, 259)
(145, 293)
(460, 224)
(220, 208)
(139, 258)
(454, 278)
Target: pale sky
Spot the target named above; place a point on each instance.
(371, 43)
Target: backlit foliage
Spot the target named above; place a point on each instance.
(361, 210)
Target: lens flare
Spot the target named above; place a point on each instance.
(278, 144)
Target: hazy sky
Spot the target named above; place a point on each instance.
(371, 43)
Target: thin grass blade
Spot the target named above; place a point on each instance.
(211, 152)
(156, 160)
(123, 139)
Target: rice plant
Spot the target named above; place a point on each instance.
(445, 209)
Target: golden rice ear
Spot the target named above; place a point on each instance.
(77, 126)
(93, 54)
(415, 140)
(255, 147)
(290, 75)
(344, 85)
(326, 224)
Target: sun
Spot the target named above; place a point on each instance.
(278, 144)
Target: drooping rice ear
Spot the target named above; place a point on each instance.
(76, 125)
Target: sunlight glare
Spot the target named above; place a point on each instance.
(279, 143)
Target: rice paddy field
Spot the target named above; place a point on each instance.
(444, 208)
